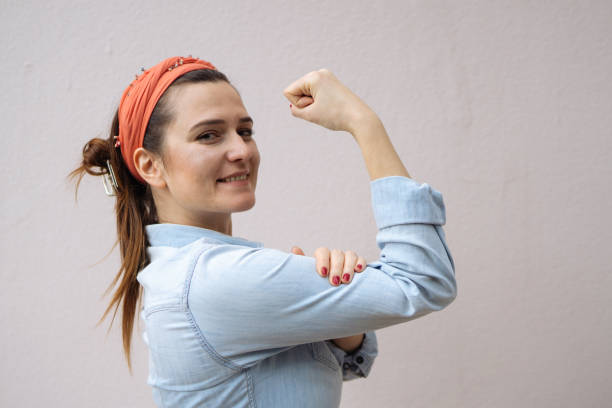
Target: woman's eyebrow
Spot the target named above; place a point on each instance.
(246, 119)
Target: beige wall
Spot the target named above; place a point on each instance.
(504, 107)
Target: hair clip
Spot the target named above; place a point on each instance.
(109, 181)
(142, 70)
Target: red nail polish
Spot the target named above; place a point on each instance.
(336, 280)
(346, 277)
(358, 266)
(290, 105)
(324, 271)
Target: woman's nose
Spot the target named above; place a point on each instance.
(239, 148)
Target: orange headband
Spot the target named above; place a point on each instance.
(139, 100)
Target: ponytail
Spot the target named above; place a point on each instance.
(134, 208)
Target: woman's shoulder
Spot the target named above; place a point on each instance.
(210, 254)
(179, 235)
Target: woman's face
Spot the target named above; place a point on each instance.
(209, 139)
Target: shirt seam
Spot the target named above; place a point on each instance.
(319, 355)
(158, 308)
(195, 327)
(250, 388)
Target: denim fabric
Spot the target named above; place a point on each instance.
(230, 323)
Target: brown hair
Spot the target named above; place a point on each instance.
(134, 205)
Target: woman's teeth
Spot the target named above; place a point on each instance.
(235, 178)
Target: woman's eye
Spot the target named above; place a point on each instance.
(248, 132)
(203, 136)
(211, 136)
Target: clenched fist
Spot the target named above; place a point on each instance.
(319, 97)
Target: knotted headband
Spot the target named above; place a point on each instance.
(139, 100)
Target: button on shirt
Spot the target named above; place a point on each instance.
(230, 323)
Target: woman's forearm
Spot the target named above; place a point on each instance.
(350, 343)
(380, 156)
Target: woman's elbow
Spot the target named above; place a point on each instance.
(448, 289)
(441, 289)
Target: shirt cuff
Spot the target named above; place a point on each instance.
(402, 200)
(358, 363)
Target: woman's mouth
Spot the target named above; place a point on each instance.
(238, 180)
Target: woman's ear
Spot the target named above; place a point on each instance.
(149, 167)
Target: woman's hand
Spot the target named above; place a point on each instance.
(337, 265)
(342, 261)
(319, 97)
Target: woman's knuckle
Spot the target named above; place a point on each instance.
(313, 75)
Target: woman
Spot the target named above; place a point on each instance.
(228, 322)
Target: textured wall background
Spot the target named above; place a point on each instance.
(502, 106)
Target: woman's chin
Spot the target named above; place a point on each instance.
(245, 205)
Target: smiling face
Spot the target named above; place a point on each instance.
(209, 139)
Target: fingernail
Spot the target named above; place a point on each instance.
(290, 105)
(346, 277)
(324, 271)
(336, 280)
(358, 266)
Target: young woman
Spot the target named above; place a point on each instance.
(228, 322)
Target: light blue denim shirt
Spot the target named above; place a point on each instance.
(230, 323)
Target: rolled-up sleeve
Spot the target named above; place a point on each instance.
(248, 299)
(358, 363)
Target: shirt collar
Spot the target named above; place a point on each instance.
(178, 235)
